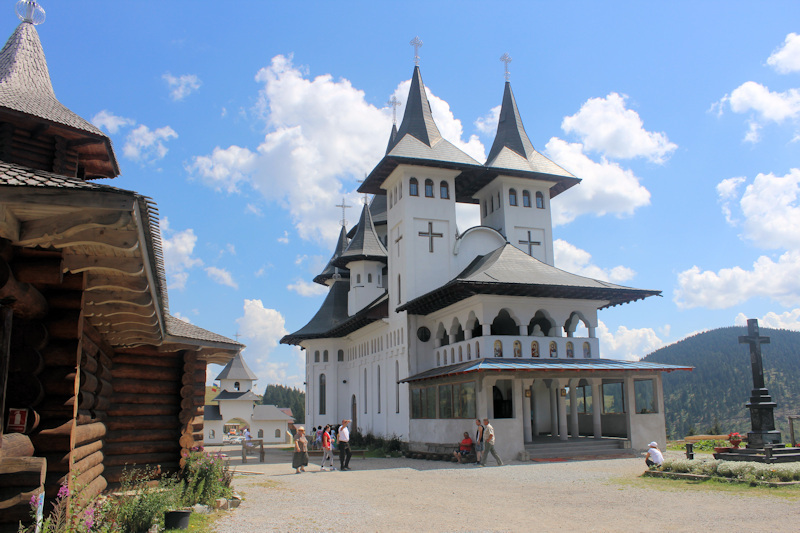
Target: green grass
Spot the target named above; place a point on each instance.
(200, 523)
(712, 485)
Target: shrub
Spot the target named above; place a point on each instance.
(206, 478)
(147, 496)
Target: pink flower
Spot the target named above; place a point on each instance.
(63, 492)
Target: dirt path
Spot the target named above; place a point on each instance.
(408, 494)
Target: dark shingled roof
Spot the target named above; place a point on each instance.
(330, 270)
(365, 244)
(332, 319)
(510, 271)
(237, 369)
(211, 412)
(378, 212)
(179, 328)
(542, 365)
(227, 395)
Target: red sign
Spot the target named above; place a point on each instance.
(17, 420)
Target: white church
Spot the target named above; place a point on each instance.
(426, 328)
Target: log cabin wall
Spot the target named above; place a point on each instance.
(37, 149)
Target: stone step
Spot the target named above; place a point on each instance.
(587, 447)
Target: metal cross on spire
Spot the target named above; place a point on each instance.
(505, 58)
(344, 206)
(30, 11)
(366, 200)
(416, 42)
(395, 103)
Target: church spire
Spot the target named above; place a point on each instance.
(365, 244)
(332, 272)
(510, 131)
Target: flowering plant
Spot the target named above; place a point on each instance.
(735, 439)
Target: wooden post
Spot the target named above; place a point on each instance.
(5, 357)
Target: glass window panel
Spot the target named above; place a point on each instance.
(445, 401)
(644, 390)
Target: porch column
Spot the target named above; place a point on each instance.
(467, 334)
(526, 410)
(629, 404)
(597, 407)
(562, 413)
(523, 330)
(553, 408)
(487, 329)
(573, 409)
(452, 338)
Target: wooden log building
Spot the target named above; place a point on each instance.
(94, 372)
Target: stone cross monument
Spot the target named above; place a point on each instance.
(762, 418)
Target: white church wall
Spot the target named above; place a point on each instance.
(476, 241)
(214, 432)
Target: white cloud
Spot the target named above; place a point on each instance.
(767, 105)
(787, 58)
(321, 136)
(573, 259)
(778, 281)
(143, 144)
(306, 288)
(488, 123)
(605, 126)
(221, 276)
(770, 207)
(262, 329)
(181, 86)
(607, 188)
(786, 320)
(285, 238)
(180, 316)
(178, 249)
(627, 344)
(111, 122)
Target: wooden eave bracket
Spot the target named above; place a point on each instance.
(59, 228)
(96, 298)
(9, 224)
(129, 266)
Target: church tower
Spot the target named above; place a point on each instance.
(516, 202)
(418, 176)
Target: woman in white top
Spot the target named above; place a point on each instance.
(653, 455)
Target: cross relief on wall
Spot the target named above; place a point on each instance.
(530, 243)
(430, 235)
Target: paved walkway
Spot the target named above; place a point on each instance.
(409, 494)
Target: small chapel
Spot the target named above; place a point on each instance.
(426, 328)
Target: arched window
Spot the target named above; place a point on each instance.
(322, 394)
(399, 193)
(391, 199)
(539, 200)
(428, 188)
(438, 359)
(491, 204)
(460, 354)
(277, 433)
(444, 354)
(484, 208)
(340, 355)
(211, 434)
(260, 433)
(399, 291)
(469, 352)
(452, 355)
(526, 199)
(477, 351)
(365, 391)
(358, 278)
(369, 278)
(236, 385)
(512, 197)
(413, 187)
(325, 356)
(316, 356)
(378, 388)
(444, 190)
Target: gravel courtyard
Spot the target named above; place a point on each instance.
(410, 494)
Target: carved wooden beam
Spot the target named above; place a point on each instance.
(119, 320)
(123, 298)
(92, 311)
(45, 230)
(23, 298)
(116, 283)
(9, 224)
(123, 240)
(130, 266)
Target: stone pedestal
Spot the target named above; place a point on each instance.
(762, 420)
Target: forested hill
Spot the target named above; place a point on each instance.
(712, 397)
(284, 396)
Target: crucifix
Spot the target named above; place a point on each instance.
(531, 243)
(762, 417)
(395, 103)
(344, 206)
(416, 42)
(505, 58)
(430, 235)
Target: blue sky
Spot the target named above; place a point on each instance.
(248, 121)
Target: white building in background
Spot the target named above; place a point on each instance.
(236, 400)
(426, 327)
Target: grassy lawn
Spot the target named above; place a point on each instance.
(201, 523)
(712, 485)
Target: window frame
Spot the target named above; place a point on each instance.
(413, 187)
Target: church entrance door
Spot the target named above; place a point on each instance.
(354, 414)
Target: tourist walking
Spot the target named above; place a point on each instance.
(300, 456)
(478, 441)
(488, 444)
(344, 446)
(327, 455)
